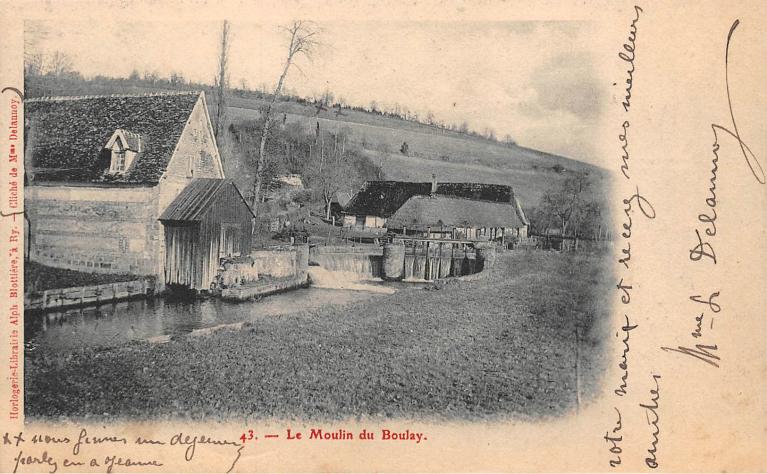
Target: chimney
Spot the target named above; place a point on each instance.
(433, 185)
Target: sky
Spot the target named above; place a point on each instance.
(535, 81)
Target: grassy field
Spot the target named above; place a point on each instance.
(500, 345)
(529, 184)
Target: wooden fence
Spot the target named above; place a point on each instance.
(62, 298)
(567, 243)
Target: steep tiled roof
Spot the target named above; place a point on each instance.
(66, 135)
(383, 198)
(437, 211)
(195, 199)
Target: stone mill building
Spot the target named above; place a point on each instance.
(130, 184)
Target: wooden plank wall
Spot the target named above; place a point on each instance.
(192, 249)
(181, 254)
(228, 208)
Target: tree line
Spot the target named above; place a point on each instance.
(575, 207)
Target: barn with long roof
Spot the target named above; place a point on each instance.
(438, 216)
(470, 211)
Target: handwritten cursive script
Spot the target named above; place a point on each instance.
(704, 247)
(651, 414)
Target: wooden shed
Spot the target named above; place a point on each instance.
(209, 220)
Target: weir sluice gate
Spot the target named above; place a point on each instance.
(432, 259)
(405, 259)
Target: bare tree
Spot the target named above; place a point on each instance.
(34, 60)
(429, 117)
(331, 167)
(34, 64)
(222, 82)
(565, 204)
(60, 64)
(303, 41)
(177, 79)
(508, 140)
(151, 76)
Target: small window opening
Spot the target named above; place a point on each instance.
(118, 156)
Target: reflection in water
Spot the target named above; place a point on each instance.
(118, 323)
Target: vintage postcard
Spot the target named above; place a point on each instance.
(357, 236)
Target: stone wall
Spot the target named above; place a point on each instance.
(94, 229)
(195, 157)
(275, 264)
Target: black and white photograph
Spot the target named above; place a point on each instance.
(351, 220)
(390, 236)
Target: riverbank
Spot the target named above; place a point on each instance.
(39, 277)
(500, 344)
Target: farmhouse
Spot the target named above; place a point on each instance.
(130, 184)
(445, 217)
(472, 211)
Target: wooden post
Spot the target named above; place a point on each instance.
(439, 262)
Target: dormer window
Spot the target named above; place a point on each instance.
(118, 157)
(125, 147)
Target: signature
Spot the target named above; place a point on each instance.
(751, 160)
(704, 248)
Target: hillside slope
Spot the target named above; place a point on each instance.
(450, 156)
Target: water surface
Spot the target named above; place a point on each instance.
(115, 324)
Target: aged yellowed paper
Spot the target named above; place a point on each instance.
(383, 236)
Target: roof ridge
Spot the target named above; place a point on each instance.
(459, 198)
(373, 181)
(102, 96)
